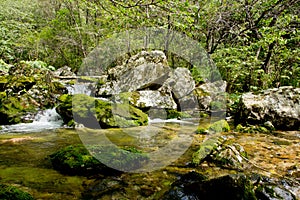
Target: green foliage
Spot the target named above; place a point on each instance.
(254, 44)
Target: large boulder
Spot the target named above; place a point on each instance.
(144, 70)
(180, 83)
(280, 106)
(157, 85)
(96, 113)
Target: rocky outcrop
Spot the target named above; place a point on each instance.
(142, 71)
(148, 75)
(280, 106)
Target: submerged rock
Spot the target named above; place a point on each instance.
(280, 106)
(232, 186)
(198, 187)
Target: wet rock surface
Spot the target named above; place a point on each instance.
(280, 106)
(233, 186)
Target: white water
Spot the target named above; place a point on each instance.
(44, 120)
(158, 120)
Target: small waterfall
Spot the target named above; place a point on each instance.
(44, 120)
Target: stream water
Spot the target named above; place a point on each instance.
(24, 161)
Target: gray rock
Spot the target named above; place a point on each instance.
(180, 83)
(211, 92)
(144, 70)
(280, 106)
(64, 71)
(154, 99)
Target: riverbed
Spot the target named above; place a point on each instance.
(24, 160)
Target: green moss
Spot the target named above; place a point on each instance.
(126, 158)
(171, 114)
(13, 193)
(217, 105)
(206, 149)
(219, 126)
(76, 159)
(251, 129)
(71, 82)
(201, 130)
(87, 110)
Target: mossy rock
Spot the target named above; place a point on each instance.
(219, 126)
(174, 114)
(251, 129)
(119, 115)
(96, 113)
(12, 109)
(77, 160)
(120, 158)
(13, 193)
(27, 90)
(206, 148)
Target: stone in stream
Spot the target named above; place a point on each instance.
(81, 160)
(280, 106)
(233, 186)
(96, 113)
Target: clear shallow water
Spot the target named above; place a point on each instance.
(24, 160)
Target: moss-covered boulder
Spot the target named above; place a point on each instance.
(26, 89)
(219, 126)
(77, 160)
(13, 193)
(96, 113)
